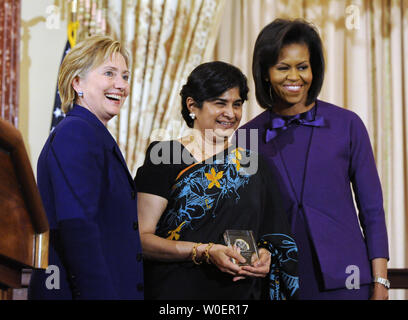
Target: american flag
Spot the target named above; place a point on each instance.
(57, 113)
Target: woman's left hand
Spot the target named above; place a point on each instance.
(258, 269)
(380, 292)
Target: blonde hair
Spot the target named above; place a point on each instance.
(85, 56)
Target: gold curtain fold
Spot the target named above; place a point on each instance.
(92, 16)
(9, 59)
(366, 46)
(167, 39)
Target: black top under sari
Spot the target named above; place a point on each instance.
(233, 190)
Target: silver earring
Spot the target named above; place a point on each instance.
(192, 115)
(80, 94)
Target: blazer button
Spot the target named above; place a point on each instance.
(139, 257)
(300, 206)
(133, 195)
(135, 225)
(140, 287)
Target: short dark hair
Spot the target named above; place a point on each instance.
(209, 81)
(276, 35)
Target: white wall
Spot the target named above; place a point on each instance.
(42, 45)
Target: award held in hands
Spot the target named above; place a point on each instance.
(244, 241)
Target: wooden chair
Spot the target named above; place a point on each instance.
(23, 222)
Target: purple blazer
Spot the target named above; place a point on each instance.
(340, 157)
(90, 200)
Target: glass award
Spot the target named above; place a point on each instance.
(244, 240)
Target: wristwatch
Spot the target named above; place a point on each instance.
(383, 281)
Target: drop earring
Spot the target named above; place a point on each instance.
(270, 88)
(192, 115)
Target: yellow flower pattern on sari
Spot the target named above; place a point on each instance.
(174, 234)
(238, 157)
(196, 198)
(214, 177)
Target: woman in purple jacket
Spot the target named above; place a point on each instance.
(318, 151)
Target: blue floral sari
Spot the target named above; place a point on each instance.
(205, 199)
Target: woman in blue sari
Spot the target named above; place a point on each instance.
(191, 190)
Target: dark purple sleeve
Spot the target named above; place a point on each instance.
(367, 190)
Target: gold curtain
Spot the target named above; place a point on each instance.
(167, 39)
(92, 16)
(366, 42)
(9, 59)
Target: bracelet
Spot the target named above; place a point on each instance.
(207, 252)
(383, 281)
(194, 254)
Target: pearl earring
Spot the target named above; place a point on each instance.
(80, 94)
(192, 115)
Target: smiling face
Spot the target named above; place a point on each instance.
(104, 88)
(219, 117)
(291, 77)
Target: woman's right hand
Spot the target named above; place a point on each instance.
(221, 256)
